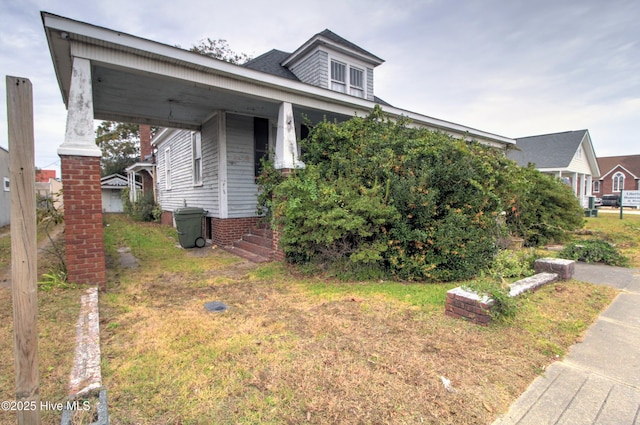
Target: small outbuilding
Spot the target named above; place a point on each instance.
(112, 187)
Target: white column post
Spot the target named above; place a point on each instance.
(79, 139)
(286, 155)
(574, 184)
(583, 190)
(222, 166)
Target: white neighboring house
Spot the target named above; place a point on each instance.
(568, 155)
(5, 195)
(112, 187)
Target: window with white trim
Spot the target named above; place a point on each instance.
(196, 145)
(6, 184)
(167, 168)
(338, 76)
(356, 82)
(618, 182)
(349, 77)
(596, 186)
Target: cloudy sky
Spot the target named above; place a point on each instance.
(511, 67)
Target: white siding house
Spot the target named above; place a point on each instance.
(218, 118)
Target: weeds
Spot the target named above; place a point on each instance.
(594, 251)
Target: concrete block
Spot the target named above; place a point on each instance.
(564, 268)
(532, 283)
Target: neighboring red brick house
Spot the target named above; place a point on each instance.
(43, 176)
(618, 173)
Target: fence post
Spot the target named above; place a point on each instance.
(23, 248)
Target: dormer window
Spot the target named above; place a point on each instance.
(339, 80)
(338, 77)
(356, 85)
(329, 61)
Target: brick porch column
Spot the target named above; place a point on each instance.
(80, 166)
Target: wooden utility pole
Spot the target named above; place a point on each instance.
(23, 248)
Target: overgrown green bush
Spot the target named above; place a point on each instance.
(143, 209)
(594, 251)
(542, 209)
(416, 204)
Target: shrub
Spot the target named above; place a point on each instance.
(542, 209)
(594, 251)
(143, 209)
(418, 204)
(512, 264)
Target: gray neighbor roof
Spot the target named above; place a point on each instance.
(548, 150)
(271, 61)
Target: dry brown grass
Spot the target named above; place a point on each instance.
(294, 350)
(58, 311)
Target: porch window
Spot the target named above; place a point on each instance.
(196, 144)
(356, 82)
(167, 168)
(596, 186)
(6, 184)
(338, 77)
(618, 182)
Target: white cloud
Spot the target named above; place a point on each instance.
(514, 68)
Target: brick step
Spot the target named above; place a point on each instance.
(258, 240)
(254, 258)
(256, 249)
(262, 232)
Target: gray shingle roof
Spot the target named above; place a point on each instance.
(270, 63)
(339, 40)
(548, 150)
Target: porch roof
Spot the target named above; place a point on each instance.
(146, 82)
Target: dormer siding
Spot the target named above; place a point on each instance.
(314, 69)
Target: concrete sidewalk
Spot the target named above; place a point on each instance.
(598, 382)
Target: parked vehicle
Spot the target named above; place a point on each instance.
(597, 202)
(610, 200)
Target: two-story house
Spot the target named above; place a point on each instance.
(219, 119)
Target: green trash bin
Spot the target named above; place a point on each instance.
(189, 225)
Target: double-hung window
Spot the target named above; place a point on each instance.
(356, 82)
(196, 144)
(347, 79)
(338, 77)
(596, 186)
(6, 184)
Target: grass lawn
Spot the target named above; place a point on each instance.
(299, 349)
(625, 233)
(293, 348)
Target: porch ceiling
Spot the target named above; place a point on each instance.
(127, 95)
